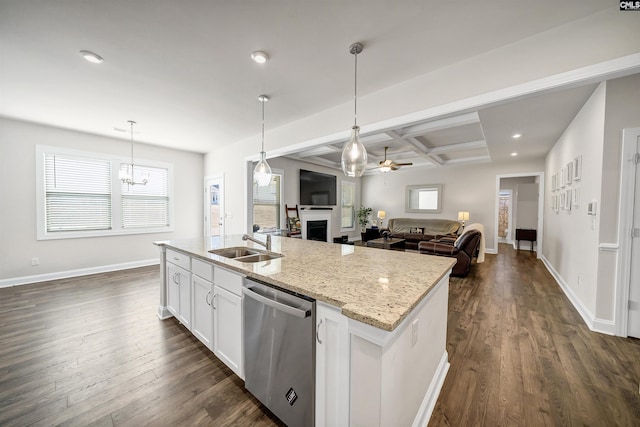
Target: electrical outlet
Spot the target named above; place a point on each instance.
(35, 261)
(414, 332)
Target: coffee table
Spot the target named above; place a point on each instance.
(390, 243)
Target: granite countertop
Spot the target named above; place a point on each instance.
(375, 286)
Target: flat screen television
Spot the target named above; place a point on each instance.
(317, 189)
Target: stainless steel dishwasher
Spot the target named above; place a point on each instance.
(279, 352)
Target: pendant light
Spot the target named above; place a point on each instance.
(126, 176)
(262, 171)
(354, 155)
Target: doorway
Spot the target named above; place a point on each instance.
(505, 216)
(628, 287)
(526, 207)
(213, 207)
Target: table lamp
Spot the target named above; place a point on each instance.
(463, 216)
(381, 216)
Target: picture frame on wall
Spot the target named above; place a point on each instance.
(569, 172)
(563, 177)
(575, 198)
(577, 168)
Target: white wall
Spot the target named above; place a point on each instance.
(571, 237)
(291, 197)
(622, 111)
(527, 203)
(18, 244)
(469, 188)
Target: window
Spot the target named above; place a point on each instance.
(147, 205)
(425, 198)
(80, 195)
(347, 203)
(267, 204)
(77, 193)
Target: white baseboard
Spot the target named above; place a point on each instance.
(25, 280)
(431, 397)
(596, 325)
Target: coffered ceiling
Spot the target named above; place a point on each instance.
(472, 137)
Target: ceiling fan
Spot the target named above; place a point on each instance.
(389, 165)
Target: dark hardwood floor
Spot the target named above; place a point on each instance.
(91, 351)
(521, 355)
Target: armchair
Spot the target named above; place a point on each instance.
(464, 249)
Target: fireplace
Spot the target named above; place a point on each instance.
(313, 216)
(317, 230)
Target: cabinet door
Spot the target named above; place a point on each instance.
(202, 319)
(179, 293)
(227, 329)
(332, 367)
(173, 289)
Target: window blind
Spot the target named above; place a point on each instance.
(77, 193)
(145, 206)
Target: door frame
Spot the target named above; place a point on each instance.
(625, 223)
(541, 188)
(207, 210)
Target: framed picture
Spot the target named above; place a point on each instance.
(569, 171)
(554, 183)
(575, 198)
(563, 177)
(577, 168)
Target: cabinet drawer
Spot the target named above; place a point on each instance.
(179, 259)
(202, 269)
(228, 280)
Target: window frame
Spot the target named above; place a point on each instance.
(354, 187)
(281, 213)
(116, 195)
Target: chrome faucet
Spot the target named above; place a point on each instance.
(267, 245)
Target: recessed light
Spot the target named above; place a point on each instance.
(514, 154)
(260, 57)
(517, 135)
(91, 57)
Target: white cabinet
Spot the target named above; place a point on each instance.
(227, 319)
(179, 293)
(332, 366)
(202, 293)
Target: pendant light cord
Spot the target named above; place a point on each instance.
(355, 92)
(131, 123)
(262, 127)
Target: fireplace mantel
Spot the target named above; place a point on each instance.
(316, 215)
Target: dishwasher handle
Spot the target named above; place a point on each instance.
(276, 304)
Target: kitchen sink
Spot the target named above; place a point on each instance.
(244, 254)
(235, 252)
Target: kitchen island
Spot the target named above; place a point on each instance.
(380, 322)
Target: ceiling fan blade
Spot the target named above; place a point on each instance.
(402, 164)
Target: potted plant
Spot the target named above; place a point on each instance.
(363, 217)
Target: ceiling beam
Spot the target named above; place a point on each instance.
(459, 147)
(450, 122)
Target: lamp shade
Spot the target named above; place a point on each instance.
(354, 155)
(382, 214)
(463, 216)
(262, 171)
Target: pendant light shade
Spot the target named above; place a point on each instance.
(262, 171)
(354, 155)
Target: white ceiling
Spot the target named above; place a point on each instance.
(183, 71)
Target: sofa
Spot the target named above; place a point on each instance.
(464, 249)
(405, 228)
